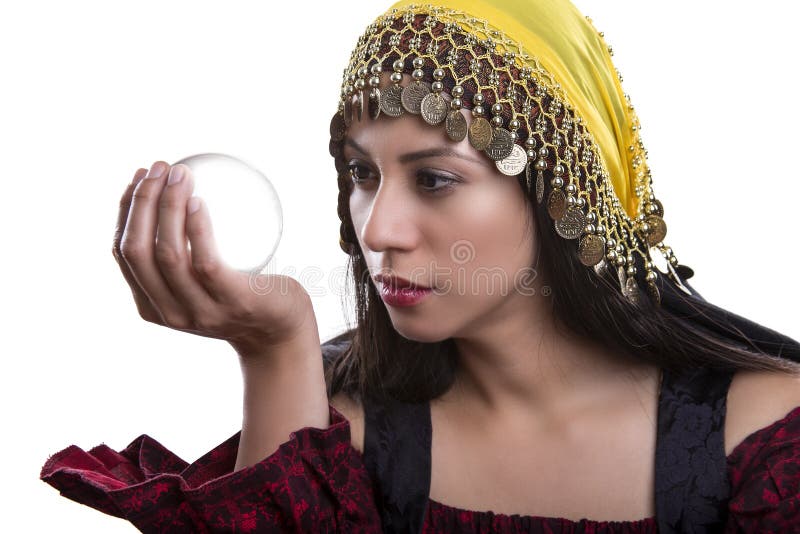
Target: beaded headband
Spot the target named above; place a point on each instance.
(457, 60)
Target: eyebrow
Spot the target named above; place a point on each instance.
(420, 154)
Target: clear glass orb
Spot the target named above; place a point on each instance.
(245, 211)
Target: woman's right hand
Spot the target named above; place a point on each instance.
(195, 291)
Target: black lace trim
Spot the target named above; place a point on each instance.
(397, 455)
(692, 488)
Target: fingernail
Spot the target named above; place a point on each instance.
(194, 204)
(175, 175)
(156, 170)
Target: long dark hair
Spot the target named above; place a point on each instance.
(372, 360)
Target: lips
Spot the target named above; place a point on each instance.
(397, 282)
(403, 297)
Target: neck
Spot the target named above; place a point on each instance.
(527, 363)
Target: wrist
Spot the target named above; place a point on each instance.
(302, 338)
(300, 352)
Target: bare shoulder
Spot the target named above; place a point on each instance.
(352, 410)
(757, 399)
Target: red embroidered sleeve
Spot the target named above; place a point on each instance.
(765, 479)
(314, 482)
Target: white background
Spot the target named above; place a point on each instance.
(91, 91)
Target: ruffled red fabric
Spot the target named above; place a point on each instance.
(317, 482)
(765, 479)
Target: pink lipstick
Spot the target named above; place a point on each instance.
(396, 296)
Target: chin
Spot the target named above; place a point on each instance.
(421, 335)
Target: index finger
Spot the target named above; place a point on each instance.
(124, 208)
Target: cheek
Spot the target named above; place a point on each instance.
(489, 247)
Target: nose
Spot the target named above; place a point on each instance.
(391, 222)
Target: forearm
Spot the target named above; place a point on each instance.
(284, 390)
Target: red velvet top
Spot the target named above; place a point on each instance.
(316, 482)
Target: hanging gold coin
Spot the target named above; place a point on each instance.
(337, 127)
(514, 163)
(571, 225)
(433, 108)
(556, 204)
(456, 125)
(591, 249)
(657, 229)
(480, 133)
(539, 187)
(348, 110)
(390, 101)
(374, 103)
(658, 260)
(622, 278)
(631, 291)
(654, 293)
(659, 207)
(528, 175)
(601, 268)
(359, 105)
(501, 144)
(412, 96)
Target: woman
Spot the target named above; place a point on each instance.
(574, 379)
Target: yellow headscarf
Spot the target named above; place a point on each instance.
(601, 189)
(570, 48)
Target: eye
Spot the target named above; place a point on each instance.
(428, 180)
(358, 173)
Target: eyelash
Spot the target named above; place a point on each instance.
(434, 191)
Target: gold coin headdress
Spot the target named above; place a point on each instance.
(546, 105)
